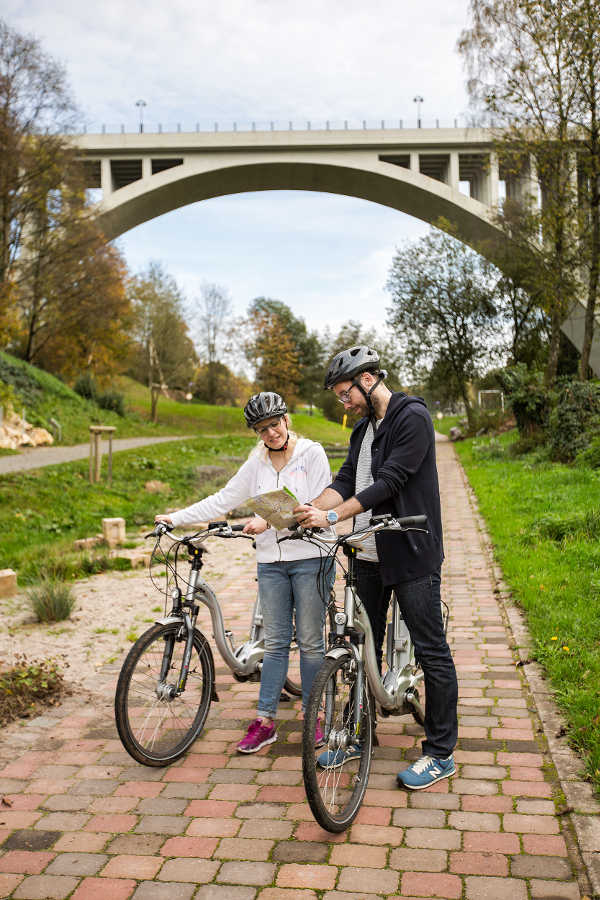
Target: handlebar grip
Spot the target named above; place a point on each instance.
(212, 525)
(238, 527)
(413, 521)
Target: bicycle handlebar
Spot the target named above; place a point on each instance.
(162, 528)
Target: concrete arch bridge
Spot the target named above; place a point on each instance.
(426, 173)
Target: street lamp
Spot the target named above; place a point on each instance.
(418, 100)
(140, 105)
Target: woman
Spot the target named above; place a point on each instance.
(288, 572)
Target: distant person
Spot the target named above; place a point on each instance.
(391, 468)
(291, 580)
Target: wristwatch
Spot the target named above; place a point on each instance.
(332, 516)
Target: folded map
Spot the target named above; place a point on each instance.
(275, 506)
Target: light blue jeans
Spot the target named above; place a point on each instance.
(288, 589)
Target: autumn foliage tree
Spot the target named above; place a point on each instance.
(271, 348)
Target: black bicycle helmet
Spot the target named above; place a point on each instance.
(263, 406)
(345, 365)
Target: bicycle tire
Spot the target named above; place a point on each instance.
(335, 794)
(155, 731)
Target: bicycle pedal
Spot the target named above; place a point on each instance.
(284, 698)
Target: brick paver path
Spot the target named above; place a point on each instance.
(85, 821)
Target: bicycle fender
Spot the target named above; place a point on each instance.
(338, 652)
(168, 620)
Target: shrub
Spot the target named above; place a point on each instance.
(491, 449)
(557, 528)
(528, 398)
(113, 401)
(591, 455)
(23, 686)
(575, 420)
(85, 386)
(52, 601)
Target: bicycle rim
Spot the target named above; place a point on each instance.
(335, 793)
(155, 729)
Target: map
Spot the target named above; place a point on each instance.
(276, 507)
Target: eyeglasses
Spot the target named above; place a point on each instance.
(272, 427)
(344, 396)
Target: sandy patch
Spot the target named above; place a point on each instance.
(112, 610)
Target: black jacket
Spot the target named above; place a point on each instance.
(405, 482)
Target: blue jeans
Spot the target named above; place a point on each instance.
(286, 589)
(421, 607)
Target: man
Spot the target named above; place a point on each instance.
(391, 468)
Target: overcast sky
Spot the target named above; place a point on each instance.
(263, 60)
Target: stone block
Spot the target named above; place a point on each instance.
(113, 531)
(8, 582)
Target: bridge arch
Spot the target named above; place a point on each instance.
(380, 182)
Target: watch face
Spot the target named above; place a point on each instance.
(332, 517)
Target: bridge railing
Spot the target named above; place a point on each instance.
(244, 125)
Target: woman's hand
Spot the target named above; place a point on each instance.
(166, 519)
(256, 525)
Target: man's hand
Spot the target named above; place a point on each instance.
(166, 519)
(256, 526)
(310, 517)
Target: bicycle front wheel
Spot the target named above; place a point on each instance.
(336, 775)
(293, 683)
(156, 723)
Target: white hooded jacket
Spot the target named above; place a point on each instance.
(306, 474)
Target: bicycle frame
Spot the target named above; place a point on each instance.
(397, 688)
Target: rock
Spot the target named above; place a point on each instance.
(88, 543)
(157, 487)
(40, 437)
(139, 557)
(113, 531)
(207, 473)
(8, 582)
(455, 434)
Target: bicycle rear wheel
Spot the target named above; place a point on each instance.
(335, 787)
(156, 723)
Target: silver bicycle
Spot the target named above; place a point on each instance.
(348, 686)
(167, 681)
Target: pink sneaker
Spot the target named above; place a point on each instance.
(319, 736)
(257, 736)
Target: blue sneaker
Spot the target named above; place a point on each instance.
(425, 771)
(332, 759)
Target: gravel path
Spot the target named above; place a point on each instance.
(36, 457)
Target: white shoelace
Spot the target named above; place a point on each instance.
(422, 764)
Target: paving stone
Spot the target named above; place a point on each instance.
(198, 871)
(222, 892)
(171, 890)
(481, 888)
(77, 864)
(45, 887)
(130, 866)
(369, 881)
(161, 824)
(255, 873)
(369, 857)
(136, 844)
(550, 890)
(418, 860)
(434, 885)
(25, 862)
(162, 806)
(30, 840)
(525, 866)
(244, 848)
(301, 851)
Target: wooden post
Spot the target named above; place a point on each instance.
(96, 431)
(98, 456)
(110, 437)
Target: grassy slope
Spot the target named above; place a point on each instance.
(556, 582)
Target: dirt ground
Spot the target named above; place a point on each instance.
(112, 610)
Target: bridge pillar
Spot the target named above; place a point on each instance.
(146, 166)
(106, 179)
(490, 182)
(414, 161)
(453, 170)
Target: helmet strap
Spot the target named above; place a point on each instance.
(279, 449)
(367, 394)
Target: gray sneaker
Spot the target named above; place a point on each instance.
(332, 759)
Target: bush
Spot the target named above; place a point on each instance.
(528, 398)
(85, 386)
(23, 686)
(591, 455)
(113, 401)
(491, 449)
(575, 420)
(557, 528)
(52, 601)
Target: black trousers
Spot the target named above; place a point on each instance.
(421, 607)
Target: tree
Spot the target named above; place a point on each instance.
(442, 310)
(164, 354)
(223, 388)
(35, 107)
(583, 59)
(272, 350)
(516, 52)
(212, 311)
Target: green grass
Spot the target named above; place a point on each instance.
(543, 520)
(192, 418)
(444, 425)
